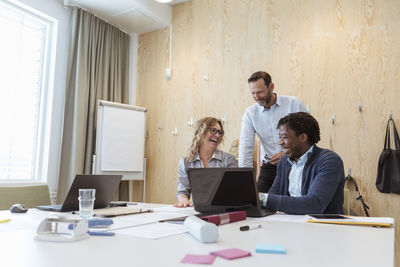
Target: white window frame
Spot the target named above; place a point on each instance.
(42, 150)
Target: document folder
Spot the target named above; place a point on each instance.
(354, 220)
(225, 218)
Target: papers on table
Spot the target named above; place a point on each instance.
(146, 225)
(19, 223)
(183, 211)
(354, 220)
(140, 219)
(282, 217)
(153, 230)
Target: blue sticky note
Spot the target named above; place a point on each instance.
(270, 248)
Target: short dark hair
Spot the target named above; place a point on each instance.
(302, 122)
(260, 75)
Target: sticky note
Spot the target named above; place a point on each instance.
(231, 253)
(270, 248)
(199, 259)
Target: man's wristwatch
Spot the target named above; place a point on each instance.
(261, 197)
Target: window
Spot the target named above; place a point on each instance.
(25, 51)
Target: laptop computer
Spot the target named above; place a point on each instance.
(105, 186)
(219, 190)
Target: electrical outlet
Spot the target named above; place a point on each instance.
(53, 195)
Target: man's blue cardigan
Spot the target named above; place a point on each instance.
(321, 188)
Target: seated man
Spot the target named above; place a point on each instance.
(309, 179)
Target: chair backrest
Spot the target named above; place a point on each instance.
(29, 196)
(346, 202)
(257, 157)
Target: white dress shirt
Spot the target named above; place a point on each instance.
(261, 121)
(296, 173)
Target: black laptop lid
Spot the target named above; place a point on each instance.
(236, 189)
(105, 185)
(223, 189)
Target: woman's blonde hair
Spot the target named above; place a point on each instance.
(200, 130)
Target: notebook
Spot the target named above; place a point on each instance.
(219, 190)
(105, 186)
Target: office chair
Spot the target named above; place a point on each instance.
(257, 157)
(29, 196)
(346, 202)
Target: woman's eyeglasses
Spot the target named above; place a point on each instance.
(214, 131)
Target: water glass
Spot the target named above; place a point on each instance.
(86, 202)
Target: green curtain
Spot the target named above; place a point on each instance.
(98, 68)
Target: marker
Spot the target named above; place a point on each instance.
(249, 227)
(5, 221)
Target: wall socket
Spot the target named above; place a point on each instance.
(53, 195)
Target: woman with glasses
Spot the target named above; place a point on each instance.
(202, 153)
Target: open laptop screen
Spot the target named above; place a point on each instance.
(105, 185)
(217, 190)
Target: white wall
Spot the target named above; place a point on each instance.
(56, 9)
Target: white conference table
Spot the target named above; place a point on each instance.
(307, 244)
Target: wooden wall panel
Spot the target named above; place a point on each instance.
(331, 54)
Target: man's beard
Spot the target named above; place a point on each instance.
(268, 99)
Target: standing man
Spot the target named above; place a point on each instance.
(262, 118)
(310, 179)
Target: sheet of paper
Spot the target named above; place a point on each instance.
(153, 230)
(19, 223)
(136, 220)
(183, 211)
(283, 217)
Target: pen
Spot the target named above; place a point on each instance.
(123, 214)
(249, 227)
(4, 221)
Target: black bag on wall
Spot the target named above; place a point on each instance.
(388, 177)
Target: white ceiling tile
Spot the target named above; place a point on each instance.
(138, 16)
(134, 21)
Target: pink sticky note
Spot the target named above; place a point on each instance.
(231, 253)
(199, 259)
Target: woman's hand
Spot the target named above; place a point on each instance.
(276, 158)
(183, 202)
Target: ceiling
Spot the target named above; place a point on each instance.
(131, 16)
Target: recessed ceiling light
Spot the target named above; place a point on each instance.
(164, 1)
